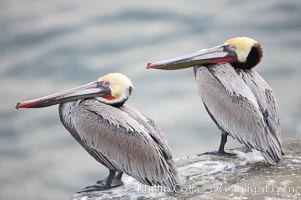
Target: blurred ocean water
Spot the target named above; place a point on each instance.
(50, 46)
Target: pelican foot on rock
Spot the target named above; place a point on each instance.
(94, 188)
(116, 181)
(111, 181)
(220, 153)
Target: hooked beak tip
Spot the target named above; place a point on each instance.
(17, 106)
(147, 66)
(151, 66)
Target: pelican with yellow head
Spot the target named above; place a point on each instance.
(113, 133)
(235, 96)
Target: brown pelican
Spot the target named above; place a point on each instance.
(235, 96)
(116, 135)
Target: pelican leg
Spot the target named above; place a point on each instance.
(105, 184)
(119, 175)
(221, 149)
(116, 181)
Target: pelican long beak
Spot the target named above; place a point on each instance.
(90, 90)
(222, 53)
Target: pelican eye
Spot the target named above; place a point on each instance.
(232, 47)
(106, 83)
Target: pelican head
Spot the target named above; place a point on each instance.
(112, 89)
(120, 86)
(241, 52)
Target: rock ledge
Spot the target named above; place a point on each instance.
(245, 176)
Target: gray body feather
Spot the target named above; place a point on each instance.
(122, 139)
(242, 104)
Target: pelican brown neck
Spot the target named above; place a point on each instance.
(252, 60)
(116, 101)
(118, 104)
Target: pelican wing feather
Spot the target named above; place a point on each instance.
(127, 141)
(245, 110)
(266, 100)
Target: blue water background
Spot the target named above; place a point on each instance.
(50, 46)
